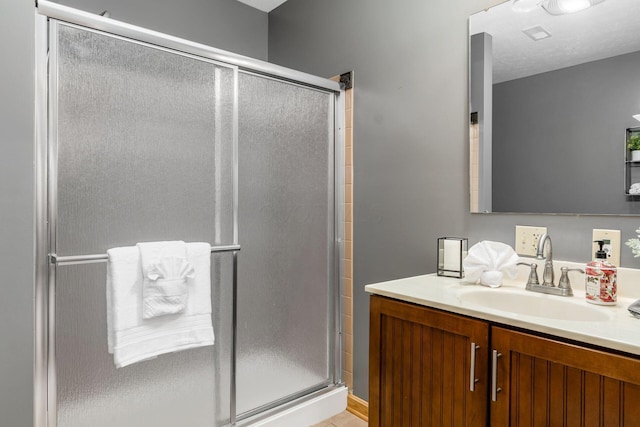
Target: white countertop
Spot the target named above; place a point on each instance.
(620, 331)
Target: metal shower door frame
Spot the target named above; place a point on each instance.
(46, 260)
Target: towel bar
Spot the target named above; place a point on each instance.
(90, 259)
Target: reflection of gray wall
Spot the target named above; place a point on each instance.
(223, 23)
(481, 69)
(558, 138)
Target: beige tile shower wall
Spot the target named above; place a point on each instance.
(348, 244)
(474, 136)
(347, 357)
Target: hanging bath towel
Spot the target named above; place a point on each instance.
(165, 273)
(131, 337)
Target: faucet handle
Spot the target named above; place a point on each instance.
(564, 282)
(533, 274)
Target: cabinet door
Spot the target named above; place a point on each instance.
(420, 367)
(549, 383)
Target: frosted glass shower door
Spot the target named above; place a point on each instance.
(286, 212)
(141, 149)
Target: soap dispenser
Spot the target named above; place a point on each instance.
(601, 278)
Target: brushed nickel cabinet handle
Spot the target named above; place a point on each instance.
(472, 371)
(494, 376)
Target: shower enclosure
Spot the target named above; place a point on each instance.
(146, 137)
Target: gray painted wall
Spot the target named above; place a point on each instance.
(16, 211)
(410, 126)
(225, 24)
(410, 137)
(410, 146)
(566, 130)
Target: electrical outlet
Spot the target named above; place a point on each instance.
(527, 239)
(612, 249)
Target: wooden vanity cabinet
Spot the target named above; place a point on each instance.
(420, 365)
(550, 383)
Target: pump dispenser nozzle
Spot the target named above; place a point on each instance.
(600, 253)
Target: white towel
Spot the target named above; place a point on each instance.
(131, 338)
(165, 271)
(487, 261)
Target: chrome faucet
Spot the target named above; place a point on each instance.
(547, 286)
(547, 274)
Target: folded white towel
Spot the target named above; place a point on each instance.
(131, 337)
(165, 271)
(487, 261)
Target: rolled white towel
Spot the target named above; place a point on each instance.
(487, 262)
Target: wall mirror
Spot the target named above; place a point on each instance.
(552, 96)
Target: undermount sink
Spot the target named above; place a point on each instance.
(530, 304)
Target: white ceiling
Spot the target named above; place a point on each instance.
(608, 29)
(263, 5)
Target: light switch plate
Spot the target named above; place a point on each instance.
(527, 239)
(612, 249)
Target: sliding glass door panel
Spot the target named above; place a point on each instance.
(285, 221)
(141, 149)
(144, 139)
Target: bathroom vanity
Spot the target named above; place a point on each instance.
(443, 352)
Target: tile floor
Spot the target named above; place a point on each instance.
(344, 419)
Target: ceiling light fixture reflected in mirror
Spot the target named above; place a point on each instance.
(554, 7)
(525, 5)
(562, 7)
